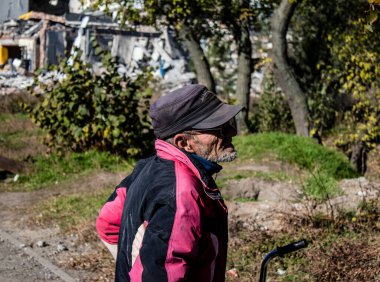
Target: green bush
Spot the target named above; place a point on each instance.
(84, 110)
(273, 113)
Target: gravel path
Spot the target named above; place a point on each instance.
(20, 263)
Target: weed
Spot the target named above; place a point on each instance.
(322, 187)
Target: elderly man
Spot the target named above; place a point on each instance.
(167, 220)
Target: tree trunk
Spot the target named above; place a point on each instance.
(243, 84)
(201, 64)
(283, 72)
(359, 157)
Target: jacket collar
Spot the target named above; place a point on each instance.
(167, 151)
(209, 166)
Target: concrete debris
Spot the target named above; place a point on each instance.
(14, 80)
(41, 244)
(61, 247)
(37, 39)
(247, 189)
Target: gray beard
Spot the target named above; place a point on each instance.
(223, 157)
(207, 153)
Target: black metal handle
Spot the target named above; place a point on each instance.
(279, 251)
(292, 247)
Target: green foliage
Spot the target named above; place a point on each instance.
(321, 106)
(337, 64)
(316, 26)
(219, 54)
(304, 152)
(48, 170)
(273, 113)
(153, 12)
(84, 110)
(358, 51)
(373, 14)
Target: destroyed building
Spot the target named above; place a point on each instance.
(38, 38)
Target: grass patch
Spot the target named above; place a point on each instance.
(306, 153)
(323, 166)
(51, 169)
(15, 132)
(67, 212)
(9, 116)
(322, 187)
(12, 140)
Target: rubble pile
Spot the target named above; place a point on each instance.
(37, 39)
(13, 80)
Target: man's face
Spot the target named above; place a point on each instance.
(214, 144)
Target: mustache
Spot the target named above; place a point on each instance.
(227, 143)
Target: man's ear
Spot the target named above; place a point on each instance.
(182, 142)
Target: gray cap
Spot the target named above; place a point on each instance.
(189, 107)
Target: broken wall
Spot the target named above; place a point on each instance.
(55, 46)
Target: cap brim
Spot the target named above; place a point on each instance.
(223, 114)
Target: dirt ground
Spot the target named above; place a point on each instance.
(85, 259)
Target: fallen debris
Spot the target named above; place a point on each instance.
(41, 244)
(62, 247)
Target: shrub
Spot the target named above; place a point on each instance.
(84, 110)
(273, 111)
(322, 187)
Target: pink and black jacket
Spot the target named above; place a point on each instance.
(168, 219)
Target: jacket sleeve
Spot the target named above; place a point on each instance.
(108, 221)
